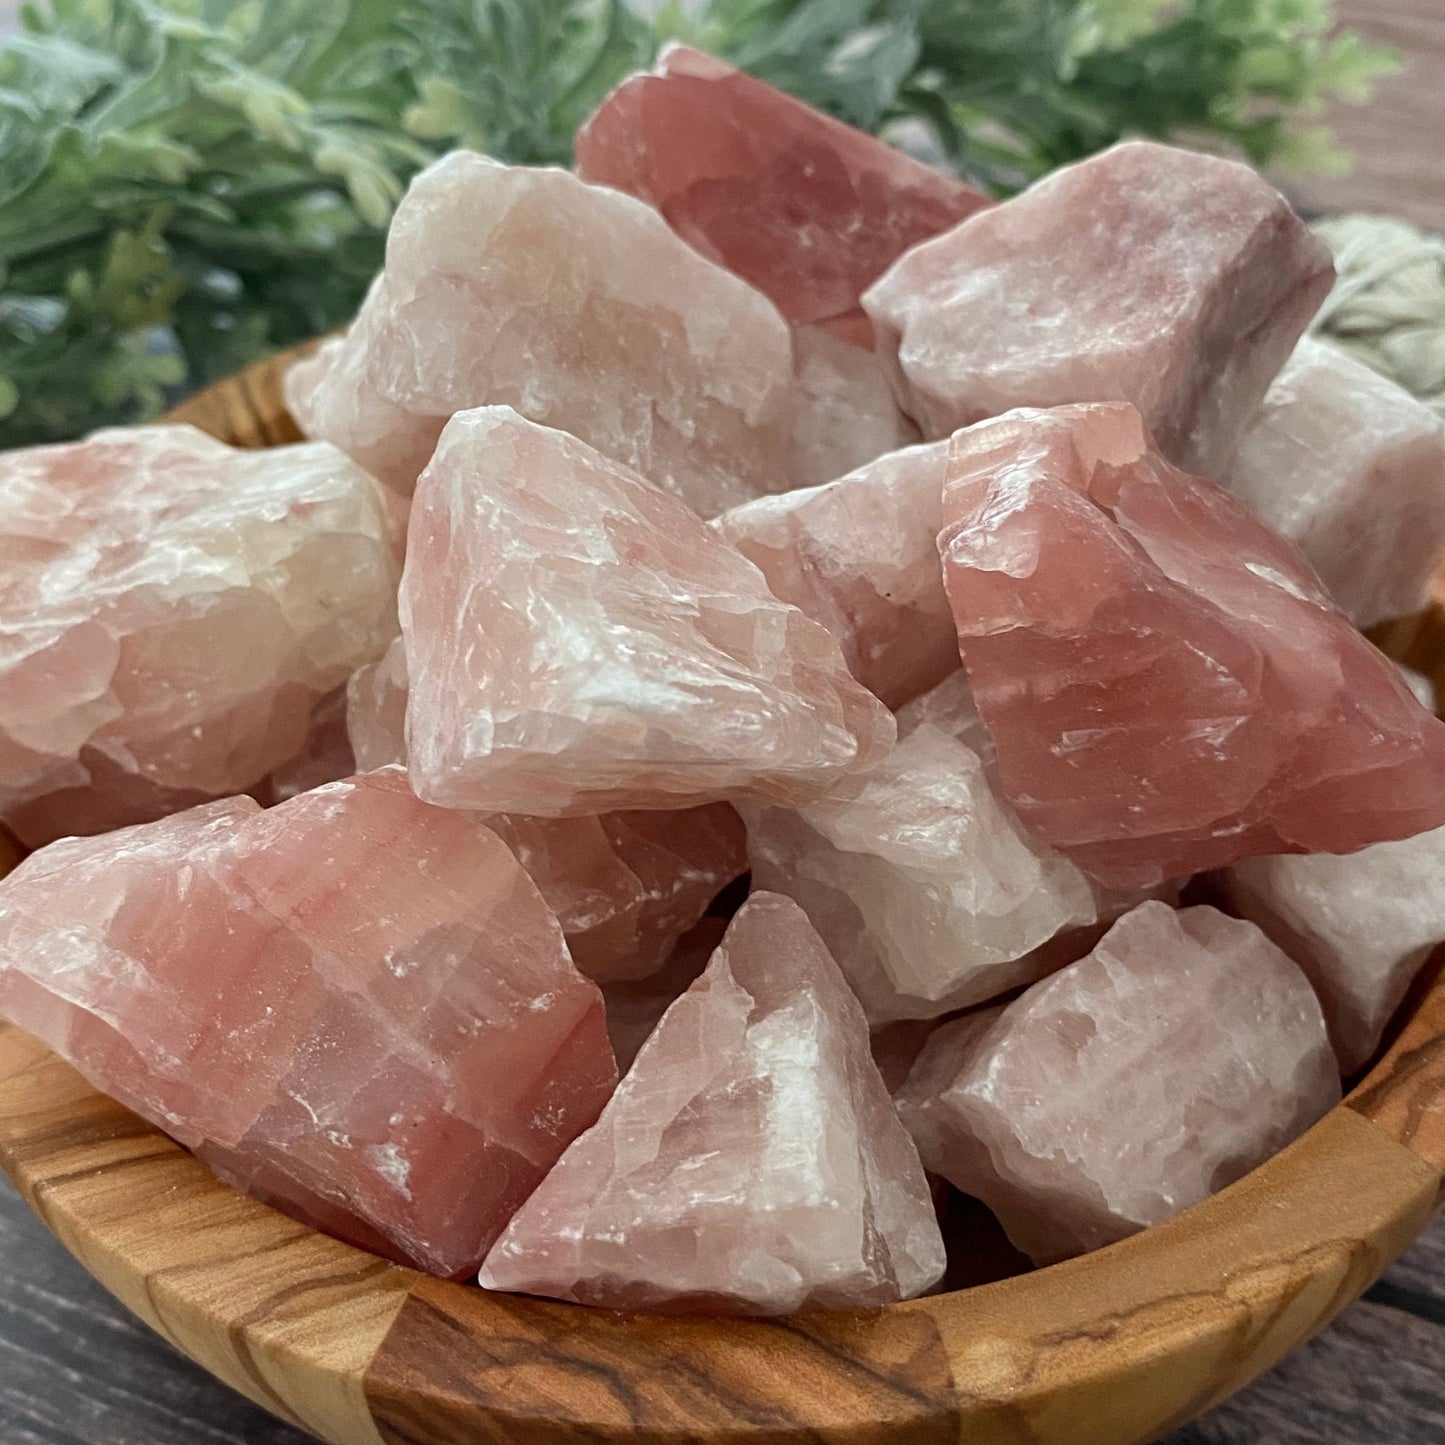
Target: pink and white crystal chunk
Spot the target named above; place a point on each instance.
(1351, 468)
(807, 209)
(172, 611)
(353, 1005)
(1361, 927)
(1181, 1053)
(1175, 281)
(1166, 683)
(928, 891)
(580, 642)
(751, 1160)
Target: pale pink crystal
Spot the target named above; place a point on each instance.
(847, 413)
(354, 1004)
(171, 612)
(624, 886)
(1361, 927)
(579, 641)
(1167, 685)
(860, 556)
(1175, 281)
(923, 883)
(1185, 1050)
(807, 209)
(920, 1096)
(577, 306)
(1351, 468)
(635, 1006)
(750, 1161)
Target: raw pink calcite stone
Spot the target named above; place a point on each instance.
(860, 556)
(921, 1095)
(749, 1162)
(353, 1004)
(1166, 682)
(847, 412)
(807, 209)
(171, 612)
(1351, 468)
(1360, 926)
(580, 308)
(624, 886)
(927, 889)
(581, 642)
(1175, 281)
(1185, 1050)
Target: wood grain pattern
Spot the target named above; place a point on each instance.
(1111, 1349)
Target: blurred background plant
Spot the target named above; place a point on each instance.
(188, 184)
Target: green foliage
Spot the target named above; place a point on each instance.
(186, 184)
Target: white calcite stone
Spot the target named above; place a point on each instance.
(1361, 925)
(1182, 1052)
(1351, 468)
(750, 1161)
(927, 889)
(172, 611)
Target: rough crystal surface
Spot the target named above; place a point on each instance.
(807, 209)
(1185, 1050)
(846, 410)
(577, 306)
(1351, 468)
(1360, 926)
(860, 556)
(923, 883)
(624, 886)
(579, 642)
(750, 1161)
(1175, 281)
(1166, 682)
(326, 756)
(353, 1004)
(171, 612)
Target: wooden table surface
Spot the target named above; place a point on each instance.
(76, 1369)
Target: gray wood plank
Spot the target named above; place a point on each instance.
(1373, 1379)
(76, 1368)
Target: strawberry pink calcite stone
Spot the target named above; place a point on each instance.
(860, 556)
(927, 889)
(172, 610)
(1352, 468)
(1175, 281)
(1166, 682)
(807, 209)
(578, 642)
(624, 886)
(1361, 927)
(749, 1162)
(354, 1005)
(1185, 1050)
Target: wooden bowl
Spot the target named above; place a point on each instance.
(1115, 1348)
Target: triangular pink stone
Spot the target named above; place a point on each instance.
(1167, 684)
(579, 641)
(751, 1161)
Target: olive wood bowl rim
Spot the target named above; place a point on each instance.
(1113, 1348)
